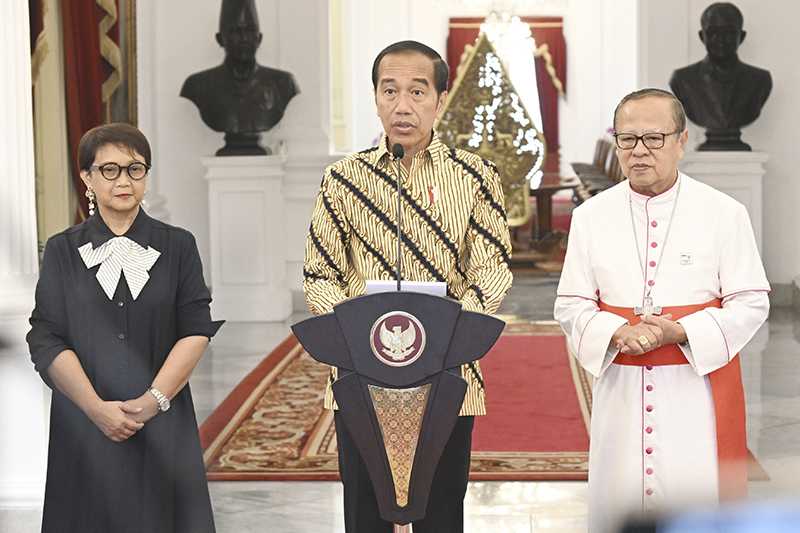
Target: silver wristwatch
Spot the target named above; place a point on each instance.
(163, 401)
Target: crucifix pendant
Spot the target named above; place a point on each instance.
(648, 308)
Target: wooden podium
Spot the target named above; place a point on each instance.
(400, 388)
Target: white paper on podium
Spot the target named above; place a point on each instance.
(434, 288)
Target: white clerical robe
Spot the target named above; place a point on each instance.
(653, 436)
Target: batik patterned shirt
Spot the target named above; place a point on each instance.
(454, 230)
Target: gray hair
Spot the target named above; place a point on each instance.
(678, 114)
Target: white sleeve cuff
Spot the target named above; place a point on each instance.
(594, 352)
(611, 354)
(708, 348)
(686, 348)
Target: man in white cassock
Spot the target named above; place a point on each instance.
(662, 287)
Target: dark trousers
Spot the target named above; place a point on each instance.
(445, 513)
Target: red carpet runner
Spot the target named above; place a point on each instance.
(273, 427)
(518, 403)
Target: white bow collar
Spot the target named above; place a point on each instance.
(117, 255)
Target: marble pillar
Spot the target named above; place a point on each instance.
(305, 51)
(23, 398)
(155, 203)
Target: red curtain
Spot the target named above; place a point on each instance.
(546, 30)
(36, 20)
(85, 71)
(36, 27)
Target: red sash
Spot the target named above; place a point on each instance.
(726, 390)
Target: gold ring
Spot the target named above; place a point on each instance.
(643, 341)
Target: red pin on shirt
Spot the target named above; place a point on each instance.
(433, 194)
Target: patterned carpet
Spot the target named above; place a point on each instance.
(273, 427)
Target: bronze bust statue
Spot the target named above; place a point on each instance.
(240, 97)
(721, 93)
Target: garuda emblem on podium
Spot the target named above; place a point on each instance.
(399, 388)
(397, 338)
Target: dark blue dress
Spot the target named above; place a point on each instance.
(155, 481)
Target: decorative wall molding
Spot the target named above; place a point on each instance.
(247, 223)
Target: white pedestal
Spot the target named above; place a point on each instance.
(247, 228)
(737, 174)
(303, 177)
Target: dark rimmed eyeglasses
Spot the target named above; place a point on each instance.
(653, 140)
(111, 171)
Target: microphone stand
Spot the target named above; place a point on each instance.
(398, 152)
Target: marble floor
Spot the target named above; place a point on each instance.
(772, 383)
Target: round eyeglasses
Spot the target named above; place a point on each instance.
(654, 140)
(111, 171)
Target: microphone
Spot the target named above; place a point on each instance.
(398, 152)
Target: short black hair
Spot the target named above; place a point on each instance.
(119, 134)
(441, 74)
(678, 113)
(724, 9)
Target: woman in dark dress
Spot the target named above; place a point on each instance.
(121, 320)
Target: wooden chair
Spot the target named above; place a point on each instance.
(605, 171)
(601, 150)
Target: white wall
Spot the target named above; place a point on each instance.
(374, 27)
(582, 117)
(768, 44)
(613, 47)
(602, 58)
(602, 37)
(671, 41)
(176, 39)
(664, 40)
(295, 39)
